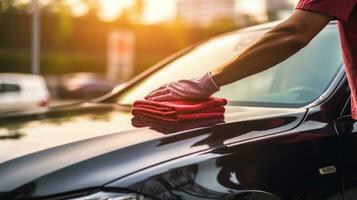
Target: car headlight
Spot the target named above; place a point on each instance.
(111, 196)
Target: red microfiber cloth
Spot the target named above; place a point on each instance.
(171, 127)
(181, 110)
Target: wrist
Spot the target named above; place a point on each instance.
(207, 83)
(216, 79)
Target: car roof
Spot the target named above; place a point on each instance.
(20, 75)
(25, 80)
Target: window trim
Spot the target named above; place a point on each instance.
(330, 90)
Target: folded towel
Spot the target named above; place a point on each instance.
(181, 110)
(181, 106)
(172, 127)
(204, 114)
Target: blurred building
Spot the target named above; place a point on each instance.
(279, 9)
(251, 11)
(205, 12)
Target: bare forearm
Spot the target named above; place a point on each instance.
(272, 48)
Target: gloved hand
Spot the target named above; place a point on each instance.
(196, 88)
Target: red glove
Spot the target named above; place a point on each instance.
(196, 88)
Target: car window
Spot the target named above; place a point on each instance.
(8, 87)
(293, 83)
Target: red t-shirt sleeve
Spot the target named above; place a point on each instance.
(340, 9)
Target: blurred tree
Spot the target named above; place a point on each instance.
(123, 20)
(10, 5)
(65, 25)
(179, 31)
(137, 10)
(93, 6)
(2, 6)
(78, 43)
(224, 24)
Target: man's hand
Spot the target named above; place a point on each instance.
(196, 88)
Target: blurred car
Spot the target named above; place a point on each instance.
(287, 134)
(83, 85)
(22, 91)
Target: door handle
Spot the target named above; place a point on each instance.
(327, 170)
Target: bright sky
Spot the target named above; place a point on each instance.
(253, 7)
(161, 10)
(156, 10)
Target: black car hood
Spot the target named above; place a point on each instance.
(51, 154)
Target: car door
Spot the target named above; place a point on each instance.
(347, 128)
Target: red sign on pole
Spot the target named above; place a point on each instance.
(121, 53)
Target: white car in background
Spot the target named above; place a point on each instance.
(22, 92)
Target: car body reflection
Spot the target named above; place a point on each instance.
(166, 127)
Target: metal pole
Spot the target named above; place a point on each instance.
(35, 67)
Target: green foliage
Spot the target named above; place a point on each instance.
(70, 44)
(64, 28)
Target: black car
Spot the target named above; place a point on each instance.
(287, 134)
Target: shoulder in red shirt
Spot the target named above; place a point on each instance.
(346, 12)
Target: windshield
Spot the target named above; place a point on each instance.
(293, 83)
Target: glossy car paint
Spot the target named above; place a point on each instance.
(285, 164)
(139, 148)
(257, 153)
